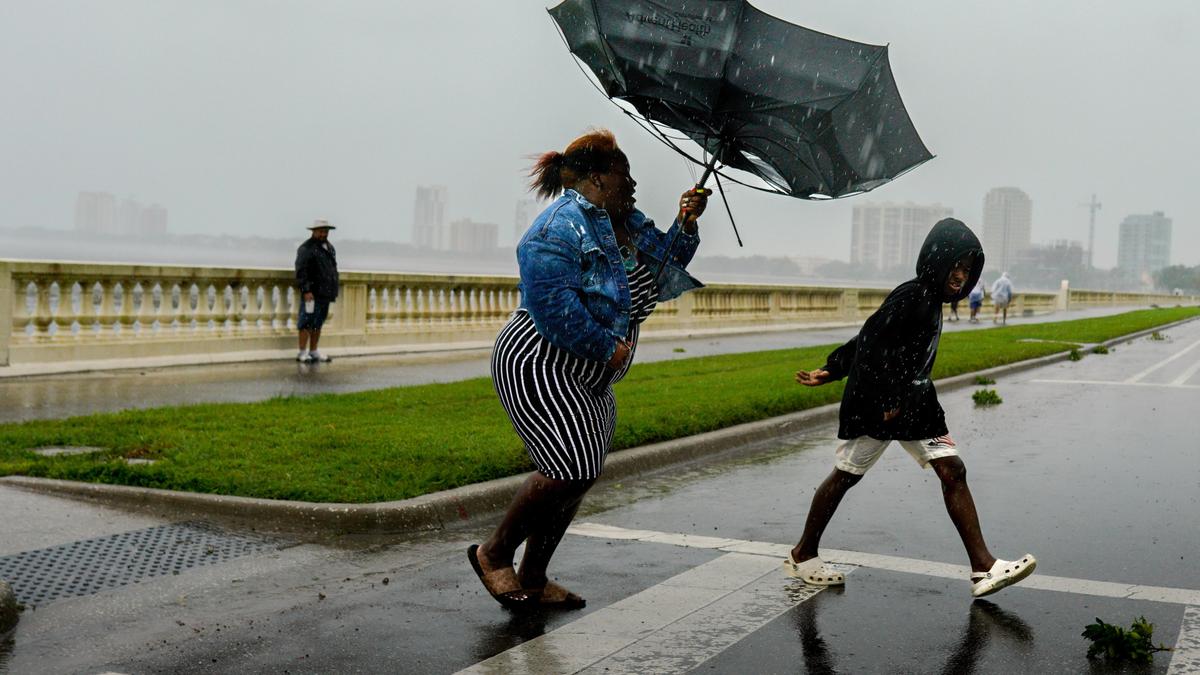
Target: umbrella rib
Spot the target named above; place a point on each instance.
(587, 74)
(650, 126)
(725, 65)
(604, 45)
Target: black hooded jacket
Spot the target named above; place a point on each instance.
(888, 364)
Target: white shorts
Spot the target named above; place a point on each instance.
(859, 454)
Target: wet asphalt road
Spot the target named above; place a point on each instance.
(1092, 466)
(56, 396)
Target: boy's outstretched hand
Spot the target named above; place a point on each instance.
(812, 378)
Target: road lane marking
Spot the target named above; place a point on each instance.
(1187, 374)
(1107, 589)
(1186, 657)
(1160, 364)
(1172, 385)
(670, 627)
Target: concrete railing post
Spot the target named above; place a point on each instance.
(684, 305)
(850, 304)
(351, 308)
(6, 310)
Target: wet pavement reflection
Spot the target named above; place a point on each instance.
(891, 622)
(985, 620)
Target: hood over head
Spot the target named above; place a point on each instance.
(948, 241)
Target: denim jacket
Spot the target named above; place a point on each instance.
(573, 283)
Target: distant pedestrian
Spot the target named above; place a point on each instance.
(889, 396)
(975, 300)
(1002, 293)
(954, 311)
(317, 281)
(588, 265)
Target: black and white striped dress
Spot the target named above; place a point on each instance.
(561, 404)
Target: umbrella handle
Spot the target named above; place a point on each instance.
(708, 171)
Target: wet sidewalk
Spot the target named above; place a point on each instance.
(58, 396)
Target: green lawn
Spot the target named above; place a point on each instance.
(407, 441)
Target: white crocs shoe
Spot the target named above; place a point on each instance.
(1003, 574)
(813, 572)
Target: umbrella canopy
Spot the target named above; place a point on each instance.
(812, 115)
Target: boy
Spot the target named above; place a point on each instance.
(890, 396)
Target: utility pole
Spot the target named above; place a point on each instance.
(1093, 206)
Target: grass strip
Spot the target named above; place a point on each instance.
(407, 441)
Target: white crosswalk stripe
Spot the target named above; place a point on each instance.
(668, 628)
(679, 624)
(1108, 589)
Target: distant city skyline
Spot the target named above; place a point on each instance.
(256, 117)
(101, 213)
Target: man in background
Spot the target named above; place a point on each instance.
(317, 280)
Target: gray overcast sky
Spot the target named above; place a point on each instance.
(255, 117)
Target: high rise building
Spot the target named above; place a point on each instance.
(129, 217)
(1007, 226)
(153, 220)
(527, 210)
(888, 235)
(467, 236)
(95, 213)
(429, 217)
(100, 213)
(1145, 244)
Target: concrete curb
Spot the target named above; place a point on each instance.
(441, 509)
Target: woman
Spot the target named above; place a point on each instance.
(588, 266)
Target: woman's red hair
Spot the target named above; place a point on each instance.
(594, 151)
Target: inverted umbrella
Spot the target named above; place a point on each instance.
(812, 115)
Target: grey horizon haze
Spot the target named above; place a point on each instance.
(255, 117)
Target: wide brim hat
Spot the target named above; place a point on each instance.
(321, 225)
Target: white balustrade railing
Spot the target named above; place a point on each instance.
(59, 312)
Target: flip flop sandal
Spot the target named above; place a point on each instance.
(554, 596)
(1003, 574)
(502, 584)
(813, 572)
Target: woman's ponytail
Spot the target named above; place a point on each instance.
(545, 178)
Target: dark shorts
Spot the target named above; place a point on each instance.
(976, 305)
(315, 320)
